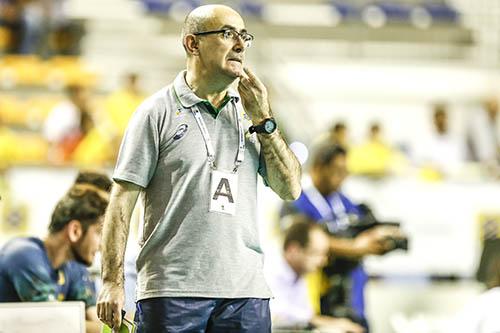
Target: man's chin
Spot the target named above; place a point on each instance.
(83, 261)
(234, 75)
(80, 259)
(235, 71)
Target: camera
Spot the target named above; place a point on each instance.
(368, 221)
(336, 301)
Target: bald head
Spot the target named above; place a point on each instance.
(205, 18)
(213, 51)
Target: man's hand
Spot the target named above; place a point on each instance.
(373, 241)
(254, 97)
(348, 326)
(338, 324)
(110, 304)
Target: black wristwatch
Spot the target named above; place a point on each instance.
(267, 126)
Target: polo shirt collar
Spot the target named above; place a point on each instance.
(188, 98)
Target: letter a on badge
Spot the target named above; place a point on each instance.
(223, 194)
(224, 183)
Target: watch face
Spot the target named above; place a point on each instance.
(269, 126)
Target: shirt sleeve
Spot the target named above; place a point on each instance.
(139, 149)
(81, 286)
(30, 277)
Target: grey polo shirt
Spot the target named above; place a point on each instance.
(187, 251)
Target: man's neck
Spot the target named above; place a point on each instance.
(213, 91)
(57, 250)
(319, 185)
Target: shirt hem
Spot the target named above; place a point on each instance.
(129, 178)
(202, 294)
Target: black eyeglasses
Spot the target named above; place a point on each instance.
(229, 33)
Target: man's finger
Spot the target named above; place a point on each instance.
(251, 75)
(243, 91)
(109, 315)
(117, 317)
(243, 75)
(99, 310)
(246, 83)
(104, 314)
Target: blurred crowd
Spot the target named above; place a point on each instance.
(40, 27)
(77, 126)
(439, 154)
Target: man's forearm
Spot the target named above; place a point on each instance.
(115, 231)
(283, 168)
(345, 248)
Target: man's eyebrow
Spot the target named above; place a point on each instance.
(227, 26)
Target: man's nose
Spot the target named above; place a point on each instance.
(239, 46)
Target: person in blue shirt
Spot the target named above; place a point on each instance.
(54, 268)
(324, 202)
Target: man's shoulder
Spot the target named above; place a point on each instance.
(23, 246)
(22, 251)
(158, 101)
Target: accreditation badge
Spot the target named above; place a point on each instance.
(223, 192)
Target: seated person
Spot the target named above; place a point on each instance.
(54, 268)
(305, 250)
(480, 314)
(99, 180)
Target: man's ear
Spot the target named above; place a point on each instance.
(294, 247)
(191, 44)
(74, 230)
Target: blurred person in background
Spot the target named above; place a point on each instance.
(122, 103)
(483, 136)
(323, 201)
(480, 315)
(68, 123)
(41, 18)
(55, 268)
(31, 23)
(95, 178)
(374, 158)
(11, 19)
(441, 153)
(7, 143)
(338, 135)
(305, 250)
(200, 267)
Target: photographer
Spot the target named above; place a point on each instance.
(353, 231)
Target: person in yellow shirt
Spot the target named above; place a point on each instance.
(122, 103)
(374, 157)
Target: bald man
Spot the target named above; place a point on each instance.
(193, 151)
